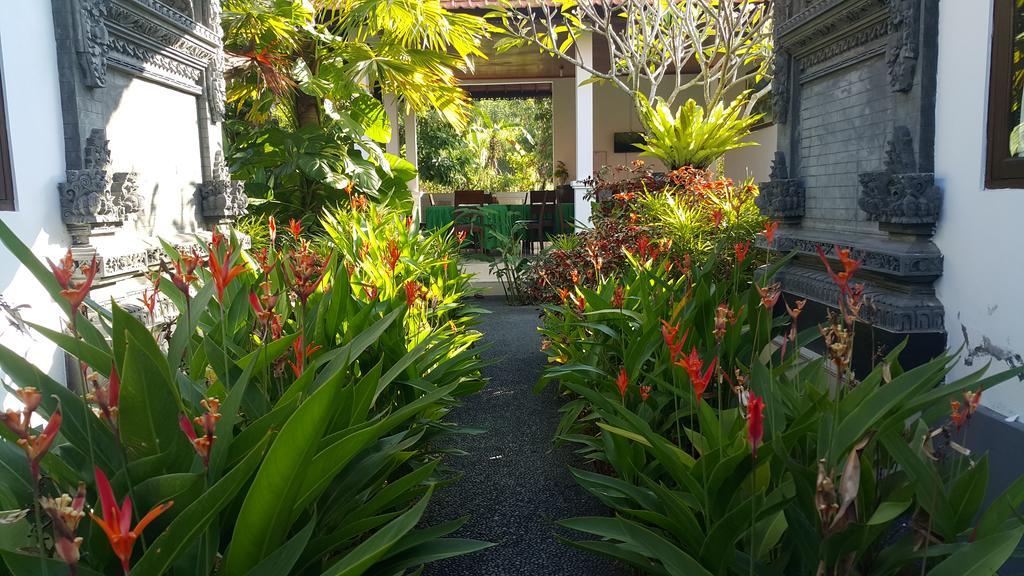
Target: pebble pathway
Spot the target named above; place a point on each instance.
(515, 485)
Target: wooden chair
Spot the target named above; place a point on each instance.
(471, 197)
(543, 215)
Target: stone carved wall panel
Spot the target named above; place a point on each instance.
(95, 196)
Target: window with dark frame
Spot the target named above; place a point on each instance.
(6, 180)
(1005, 142)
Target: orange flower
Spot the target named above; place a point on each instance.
(208, 422)
(221, 270)
(65, 513)
(63, 270)
(563, 294)
(148, 300)
(973, 400)
(717, 217)
(645, 393)
(622, 382)
(956, 415)
(769, 295)
(263, 305)
(76, 294)
(412, 291)
(618, 299)
(581, 303)
(109, 399)
(302, 354)
(305, 274)
(117, 520)
(394, 254)
(669, 333)
(741, 249)
(272, 229)
(295, 227)
(769, 231)
(755, 421)
(461, 236)
(37, 446)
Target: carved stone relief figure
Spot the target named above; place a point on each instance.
(901, 58)
(93, 43)
(95, 196)
(222, 197)
(898, 194)
(782, 197)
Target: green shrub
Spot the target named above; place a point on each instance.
(287, 413)
(688, 137)
(733, 455)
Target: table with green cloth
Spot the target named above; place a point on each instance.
(496, 217)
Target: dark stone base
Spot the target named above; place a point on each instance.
(872, 344)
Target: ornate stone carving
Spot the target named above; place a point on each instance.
(887, 260)
(93, 41)
(182, 6)
(782, 197)
(901, 56)
(780, 86)
(902, 313)
(222, 197)
(898, 194)
(216, 90)
(94, 196)
(213, 16)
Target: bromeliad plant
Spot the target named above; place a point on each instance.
(286, 414)
(724, 452)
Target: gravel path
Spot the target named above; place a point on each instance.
(515, 484)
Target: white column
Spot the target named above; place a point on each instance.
(391, 109)
(584, 130)
(412, 157)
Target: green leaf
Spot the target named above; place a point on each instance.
(162, 553)
(268, 508)
(284, 558)
(982, 557)
(362, 557)
(967, 494)
(887, 511)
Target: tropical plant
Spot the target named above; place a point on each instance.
(732, 455)
(304, 123)
(653, 46)
(688, 137)
(510, 266)
(280, 425)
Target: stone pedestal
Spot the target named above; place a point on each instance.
(854, 97)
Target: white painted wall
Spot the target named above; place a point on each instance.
(28, 62)
(980, 232)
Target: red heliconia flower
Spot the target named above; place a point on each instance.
(359, 202)
(305, 273)
(116, 521)
(412, 292)
(956, 415)
(793, 313)
(208, 423)
(222, 270)
(619, 298)
(37, 446)
(371, 291)
(769, 295)
(461, 235)
(850, 266)
(295, 227)
(699, 381)
(302, 354)
(76, 294)
(65, 513)
(276, 330)
(408, 222)
(394, 254)
(622, 382)
(19, 422)
(563, 293)
(769, 231)
(645, 393)
(741, 249)
(148, 300)
(109, 399)
(263, 305)
(272, 228)
(574, 275)
(266, 260)
(717, 217)
(581, 303)
(63, 270)
(755, 421)
(669, 333)
(643, 245)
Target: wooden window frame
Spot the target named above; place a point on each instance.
(1002, 170)
(6, 176)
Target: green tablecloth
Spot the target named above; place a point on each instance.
(496, 217)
